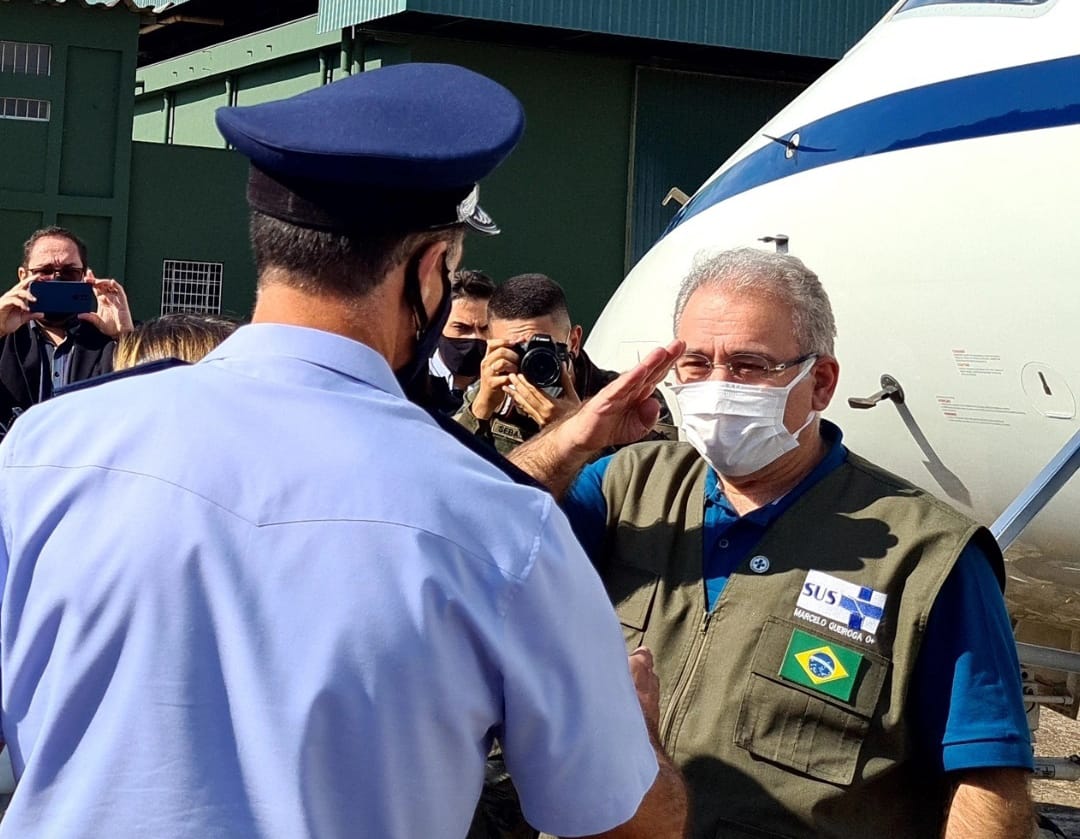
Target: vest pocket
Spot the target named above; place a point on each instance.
(632, 591)
(798, 727)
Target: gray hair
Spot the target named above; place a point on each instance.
(776, 275)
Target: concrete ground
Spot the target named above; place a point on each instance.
(1058, 736)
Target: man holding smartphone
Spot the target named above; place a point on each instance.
(42, 348)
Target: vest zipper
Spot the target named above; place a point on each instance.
(685, 680)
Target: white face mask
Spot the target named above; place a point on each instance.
(738, 428)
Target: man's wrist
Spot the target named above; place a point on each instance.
(120, 326)
(481, 409)
(574, 441)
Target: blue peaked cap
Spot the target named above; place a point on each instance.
(402, 147)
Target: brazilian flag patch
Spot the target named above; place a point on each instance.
(821, 665)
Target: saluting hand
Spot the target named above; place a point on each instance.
(625, 409)
(15, 307)
(113, 317)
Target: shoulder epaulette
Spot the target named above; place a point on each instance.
(137, 370)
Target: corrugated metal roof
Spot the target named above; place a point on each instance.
(823, 28)
(133, 5)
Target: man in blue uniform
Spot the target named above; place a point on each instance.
(267, 596)
(832, 642)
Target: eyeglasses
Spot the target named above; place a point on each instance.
(743, 367)
(68, 273)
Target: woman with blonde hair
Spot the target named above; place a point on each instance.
(182, 335)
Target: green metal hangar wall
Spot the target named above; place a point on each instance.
(67, 73)
(624, 100)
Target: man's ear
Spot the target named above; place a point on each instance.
(574, 344)
(432, 257)
(24, 272)
(430, 269)
(825, 375)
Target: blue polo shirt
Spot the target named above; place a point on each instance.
(966, 694)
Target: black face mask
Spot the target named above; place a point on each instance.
(413, 375)
(462, 355)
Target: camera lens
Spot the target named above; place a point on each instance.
(541, 366)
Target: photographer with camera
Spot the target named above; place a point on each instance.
(535, 371)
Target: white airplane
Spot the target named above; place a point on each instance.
(932, 180)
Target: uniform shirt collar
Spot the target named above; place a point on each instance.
(764, 516)
(335, 353)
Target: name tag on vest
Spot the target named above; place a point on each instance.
(504, 429)
(852, 607)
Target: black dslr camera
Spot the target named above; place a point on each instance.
(542, 360)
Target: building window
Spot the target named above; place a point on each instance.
(37, 110)
(26, 59)
(191, 287)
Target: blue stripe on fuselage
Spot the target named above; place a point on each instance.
(1042, 95)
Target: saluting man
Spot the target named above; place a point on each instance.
(832, 642)
(265, 595)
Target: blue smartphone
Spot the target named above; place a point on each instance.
(63, 297)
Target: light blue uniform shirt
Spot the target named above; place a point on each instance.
(966, 694)
(266, 596)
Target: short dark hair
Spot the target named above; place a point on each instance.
(53, 232)
(471, 285)
(342, 264)
(528, 296)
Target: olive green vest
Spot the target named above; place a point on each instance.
(504, 433)
(766, 755)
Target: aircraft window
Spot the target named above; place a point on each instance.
(915, 4)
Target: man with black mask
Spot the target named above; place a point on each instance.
(456, 364)
(43, 351)
(310, 626)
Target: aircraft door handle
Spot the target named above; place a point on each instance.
(675, 194)
(890, 389)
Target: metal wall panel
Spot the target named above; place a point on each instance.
(75, 166)
(560, 197)
(823, 28)
(685, 126)
(88, 157)
(337, 14)
(201, 216)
